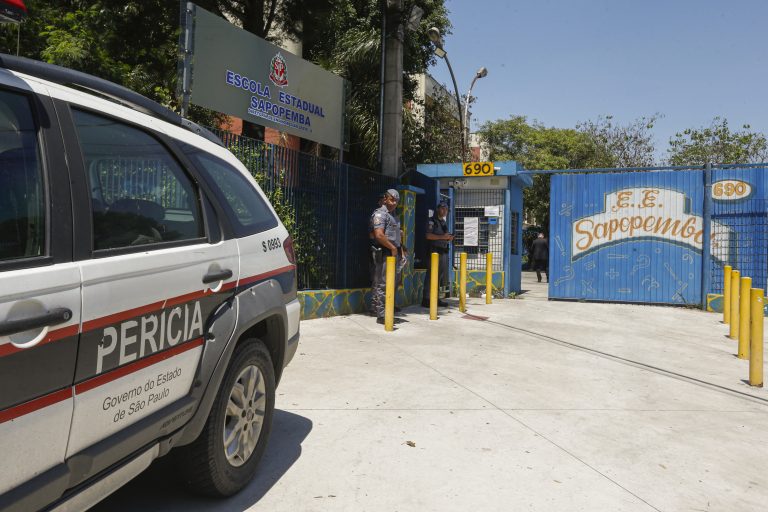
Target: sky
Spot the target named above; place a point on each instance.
(562, 62)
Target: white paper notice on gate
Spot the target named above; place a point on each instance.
(471, 231)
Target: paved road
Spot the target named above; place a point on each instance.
(527, 405)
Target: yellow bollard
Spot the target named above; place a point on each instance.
(433, 275)
(389, 295)
(756, 341)
(734, 332)
(726, 294)
(488, 277)
(746, 286)
(463, 282)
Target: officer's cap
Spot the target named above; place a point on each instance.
(394, 193)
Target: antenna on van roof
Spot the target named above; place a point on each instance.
(105, 88)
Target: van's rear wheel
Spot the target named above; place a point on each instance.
(224, 458)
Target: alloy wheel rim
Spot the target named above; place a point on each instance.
(244, 418)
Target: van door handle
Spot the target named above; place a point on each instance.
(47, 319)
(213, 277)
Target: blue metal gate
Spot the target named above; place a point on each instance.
(641, 236)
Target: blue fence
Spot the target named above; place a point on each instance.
(740, 225)
(641, 236)
(326, 205)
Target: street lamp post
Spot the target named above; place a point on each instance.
(434, 35)
(481, 73)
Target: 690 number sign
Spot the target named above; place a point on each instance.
(479, 169)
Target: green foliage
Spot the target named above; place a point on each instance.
(629, 145)
(438, 138)
(348, 42)
(301, 222)
(536, 146)
(135, 44)
(717, 144)
(132, 43)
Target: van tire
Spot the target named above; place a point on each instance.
(205, 465)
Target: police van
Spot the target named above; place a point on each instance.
(147, 295)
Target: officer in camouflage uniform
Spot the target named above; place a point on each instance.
(386, 233)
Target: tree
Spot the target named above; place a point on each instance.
(348, 42)
(717, 144)
(538, 147)
(134, 43)
(435, 136)
(629, 145)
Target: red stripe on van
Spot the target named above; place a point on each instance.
(122, 371)
(252, 279)
(96, 323)
(119, 317)
(181, 299)
(35, 405)
(56, 335)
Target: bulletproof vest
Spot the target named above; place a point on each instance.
(438, 226)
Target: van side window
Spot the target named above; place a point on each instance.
(139, 193)
(247, 211)
(22, 199)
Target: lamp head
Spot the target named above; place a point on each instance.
(434, 36)
(482, 72)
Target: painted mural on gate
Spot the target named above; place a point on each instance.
(644, 213)
(638, 236)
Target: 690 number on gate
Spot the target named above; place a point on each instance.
(731, 190)
(479, 169)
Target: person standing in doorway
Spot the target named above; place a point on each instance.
(438, 240)
(386, 233)
(540, 255)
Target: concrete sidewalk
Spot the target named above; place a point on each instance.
(525, 405)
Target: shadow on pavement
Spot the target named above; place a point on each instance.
(157, 490)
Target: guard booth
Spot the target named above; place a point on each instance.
(485, 214)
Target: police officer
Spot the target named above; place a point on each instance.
(438, 240)
(386, 233)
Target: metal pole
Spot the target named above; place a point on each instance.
(458, 105)
(434, 268)
(466, 112)
(744, 314)
(383, 43)
(392, 137)
(706, 245)
(389, 295)
(727, 294)
(186, 74)
(735, 283)
(488, 277)
(756, 339)
(463, 282)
